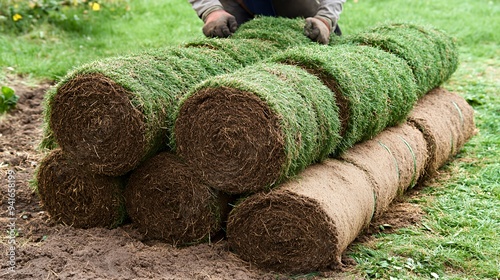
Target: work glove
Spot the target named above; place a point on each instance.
(219, 23)
(317, 29)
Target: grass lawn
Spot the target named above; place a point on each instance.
(459, 236)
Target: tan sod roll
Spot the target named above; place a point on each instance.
(306, 223)
(447, 122)
(168, 202)
(393, 161)
(78, 198)
(412, 160)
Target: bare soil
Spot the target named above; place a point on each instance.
(45, 250)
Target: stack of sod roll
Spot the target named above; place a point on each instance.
(173, 135)
(252, 129)
(306, 223)
(105, 118)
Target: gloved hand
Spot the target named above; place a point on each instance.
(317, 29)
(219, 23)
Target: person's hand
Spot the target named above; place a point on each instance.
(317, 29)
(219, 23)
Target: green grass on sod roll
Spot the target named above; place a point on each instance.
(281, 32)
(373, 89)
(431, 53)
(244, 51)
(251, 129)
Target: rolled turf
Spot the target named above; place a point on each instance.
(251, 129)
(394, 161)
(123, 104)
(431, 53)
(78, 198)
(447, 123)
(373, 89)
(167, 201)
(306, 223)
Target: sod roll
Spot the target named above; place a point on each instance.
(305, 224)
(78, 198)
(168, 202)
(110, 115)
(251, 129)
(394, 161)
(447, 122)
(373, 89)
(431, 53)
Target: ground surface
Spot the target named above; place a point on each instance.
(45, 250)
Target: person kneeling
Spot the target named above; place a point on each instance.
(222, 17)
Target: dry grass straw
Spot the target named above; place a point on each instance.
(78, 198)
(447, 122)
(168, 202)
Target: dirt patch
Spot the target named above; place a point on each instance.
(401, 214)
(49, 251)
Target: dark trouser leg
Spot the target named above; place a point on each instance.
(295, 8)
(283, 8)
(337, 31)
(234, 8)
(299, 8)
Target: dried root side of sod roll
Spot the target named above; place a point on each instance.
(447, 123)
(79, 198)
(394, 161)
(305, 224)
(167, 201)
